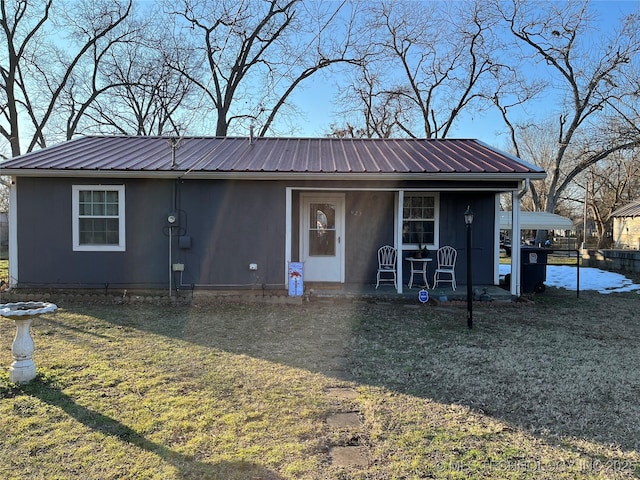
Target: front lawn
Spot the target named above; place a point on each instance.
(228, 391)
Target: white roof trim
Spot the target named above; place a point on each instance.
(265, 175)
(537, 221)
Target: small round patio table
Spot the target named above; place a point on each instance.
(419, 266)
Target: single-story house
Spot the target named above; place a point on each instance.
(626, 226)
(234, 213)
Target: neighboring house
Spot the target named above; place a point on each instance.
(626, 226)
(213, 213)
(4, 235)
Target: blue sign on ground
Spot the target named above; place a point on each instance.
(296, 279)
(423, 296)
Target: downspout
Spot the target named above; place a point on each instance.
(174, 193)
(525, 189)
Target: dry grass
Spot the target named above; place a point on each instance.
(542, 390)
(4, 271)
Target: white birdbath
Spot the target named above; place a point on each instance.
(23, 369)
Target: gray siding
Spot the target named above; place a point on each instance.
(230, 224)
(453, 232)
(45, 247)
(369, 225)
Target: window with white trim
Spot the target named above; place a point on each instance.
(98, 218)
(419, 219)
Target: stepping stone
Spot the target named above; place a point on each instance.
(342, 393)
(338, 373)
(344, 420)
(349, 456)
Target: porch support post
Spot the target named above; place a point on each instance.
(496, 241)
(13, 233)
(515, 244)
(397, 230)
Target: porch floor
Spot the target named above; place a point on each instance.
(387, 292)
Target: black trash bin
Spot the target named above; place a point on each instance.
(533, 269)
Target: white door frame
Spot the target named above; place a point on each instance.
(339, 199)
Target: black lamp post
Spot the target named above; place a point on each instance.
(468, 220)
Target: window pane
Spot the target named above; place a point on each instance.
(98, 209)
(111, 210)
(323, 215)
(85, 209)
(98, 203)
(99, 231)
(417, 207)
(112, 236)
(418, 232)
(86, 231)
(98, 197)
(322, 242)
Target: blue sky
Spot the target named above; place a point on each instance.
(315, 99)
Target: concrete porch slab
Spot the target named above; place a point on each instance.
(386, 293)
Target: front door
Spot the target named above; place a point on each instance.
(322, 239)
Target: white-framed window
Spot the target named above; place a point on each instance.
(419, 219)
(98, 218)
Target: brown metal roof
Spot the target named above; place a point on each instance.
(232, 155)
(630, 210)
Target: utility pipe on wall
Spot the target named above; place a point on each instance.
(170, 260)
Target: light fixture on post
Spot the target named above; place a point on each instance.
(468, 220)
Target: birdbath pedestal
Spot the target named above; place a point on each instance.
(23, 369)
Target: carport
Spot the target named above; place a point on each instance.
(536, 221)
(518, 221)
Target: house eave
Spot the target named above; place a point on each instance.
(250, 175)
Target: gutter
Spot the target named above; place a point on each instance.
(275, 175)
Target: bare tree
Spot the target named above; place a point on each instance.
(598, 114)
(255, 54)
(4, 194)
(428, 66)
(36, 72)
(383, 112)
(142, 93)
(611, 183)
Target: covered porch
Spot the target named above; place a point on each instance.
(335, 233)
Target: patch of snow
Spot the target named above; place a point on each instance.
(564, 276)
